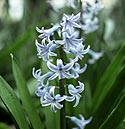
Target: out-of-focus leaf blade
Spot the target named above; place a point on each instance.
(11, 101)
(106, 82)
(25, 97)
(20, 41)
(116, 116)
(109, 103)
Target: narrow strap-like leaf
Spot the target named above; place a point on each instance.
(25, 97)
(109, 77)
(116, 116)
(12, 103)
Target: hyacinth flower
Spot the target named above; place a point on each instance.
(68, 22)
(94, 7)
(42, 90)
(60, 70)
(79, 51)
(95, 56)
(81, 123)
(86, 14)
(45, 50)
(70, 41)
(77, 70)
(90, 25)
(53, 100)
(46, 33)
(75, 93)
(41, 78)
(89, 13)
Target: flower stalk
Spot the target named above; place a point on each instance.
(62, 93)
(62, 110)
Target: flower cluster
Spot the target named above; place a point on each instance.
(67, 40)
(71, 44)
(90, 22)
(89, 15)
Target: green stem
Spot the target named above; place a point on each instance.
(62, 111)
(62, 92)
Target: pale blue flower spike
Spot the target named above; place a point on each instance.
(95, 56)
(60, 70)
(52, 100)
(81, 123)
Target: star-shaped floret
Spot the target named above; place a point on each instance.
(90, 25)
(75, 93)
(95, 56)
(45, 50)
(41, 78)
(79, 51)
(70, 41)
(94, 7)
(53, 100)
(42, 90)
(70, 21)
(60, 70)
(75, 71)
(81, 123)
(46, 33)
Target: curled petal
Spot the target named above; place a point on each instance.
(48, 97)
(70, 98)
(51, 92)
(53, 76)
(76, 17)
(59, 64)
(51, 66)
(77, 101)
(53, 108)
(59, 98)
(82, 70)
(40, 30)
(45, 103)
(81, 123)
(58, 105)
(66, 75)
(36, 74)
(68, 66)
(95, 56)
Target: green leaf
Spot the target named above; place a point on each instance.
(110, 102)
(116, 116)
(4, 126)
(106, 82)
(12, 103)
(18, 43)
(25, 97)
